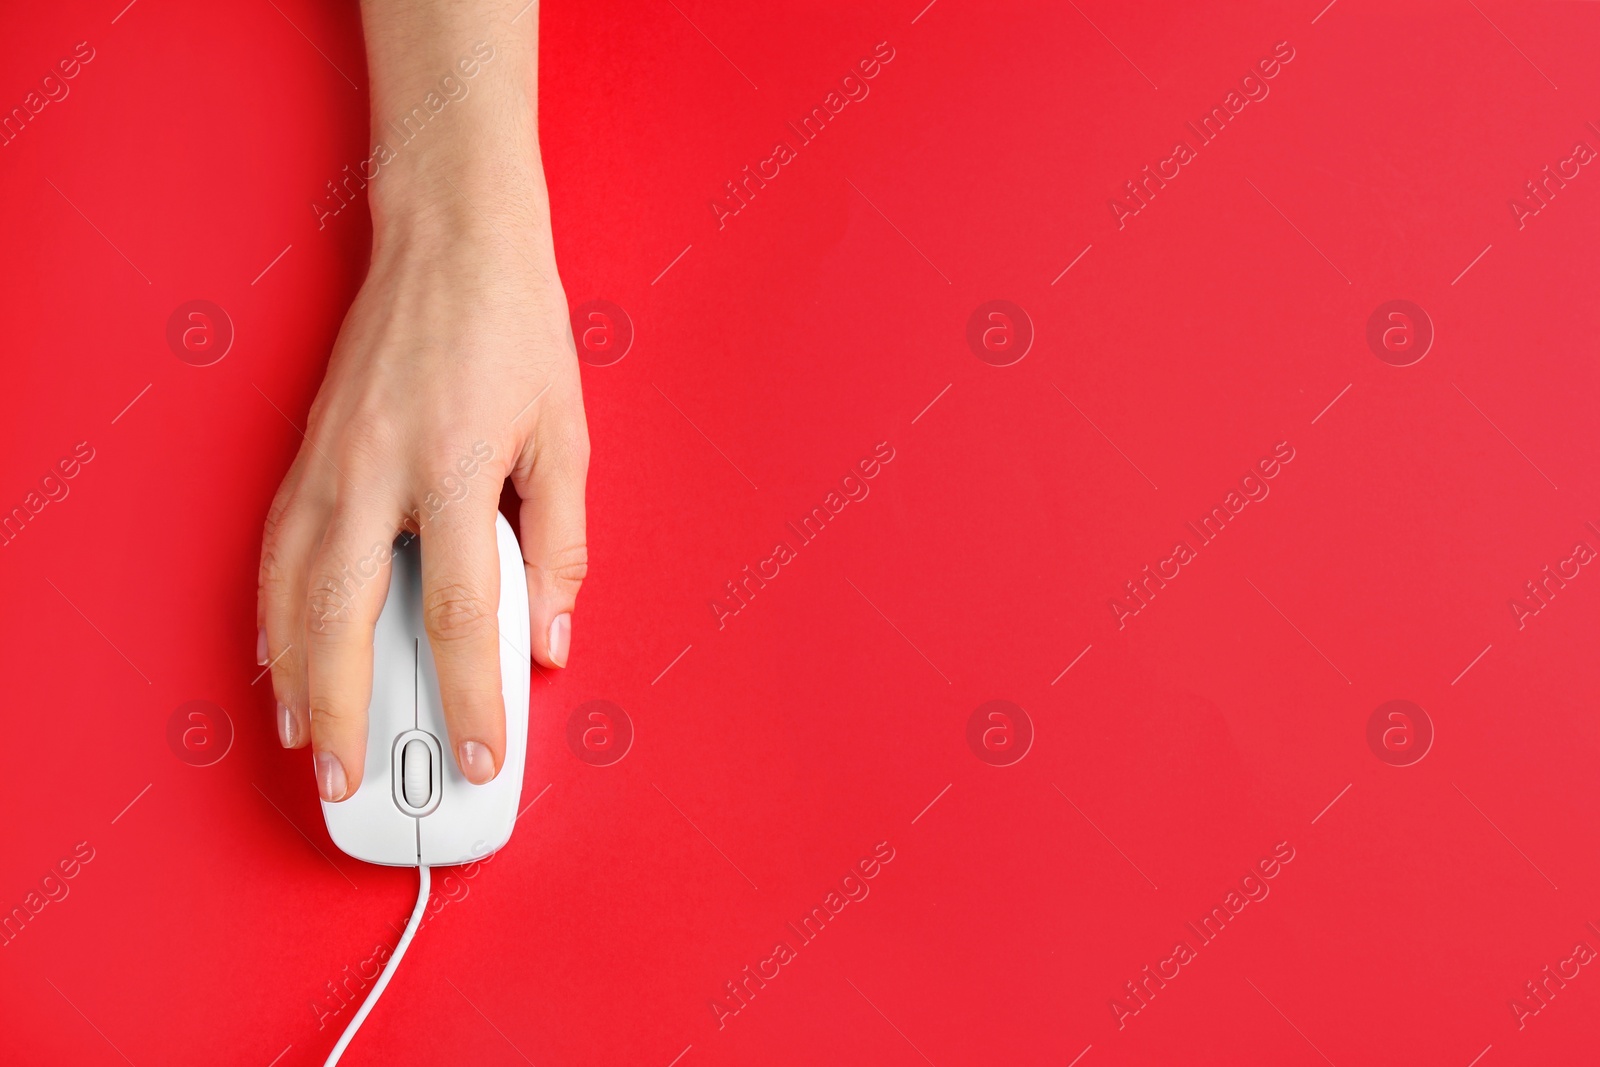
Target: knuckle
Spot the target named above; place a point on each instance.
(331, 608)
(566, 569)
(452, 471)
(272, 577)
(366, 458)
(360, 442)
(287, 672)
(475, 704)
(271, 528)
(273, 572)
(326, 709)
(368, 425)
(453, 612)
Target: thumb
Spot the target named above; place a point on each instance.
(549, 477)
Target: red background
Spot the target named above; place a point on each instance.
(826, 715)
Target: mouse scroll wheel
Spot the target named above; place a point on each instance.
(416, 773)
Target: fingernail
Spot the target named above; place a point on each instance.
(477, 762)
(261, 647)
(330, 776)
(286, 726)
(560, 638)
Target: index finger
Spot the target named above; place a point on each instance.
(348, 583)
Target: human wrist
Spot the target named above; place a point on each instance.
(499, 187)
(454, 122)
(480, 179)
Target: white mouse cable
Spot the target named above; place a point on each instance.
(388, 971)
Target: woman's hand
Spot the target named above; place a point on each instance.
(454, 370)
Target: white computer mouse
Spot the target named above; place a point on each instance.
(414, 807)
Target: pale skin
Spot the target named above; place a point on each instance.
(457, 343)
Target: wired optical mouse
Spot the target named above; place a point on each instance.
(414, 807)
